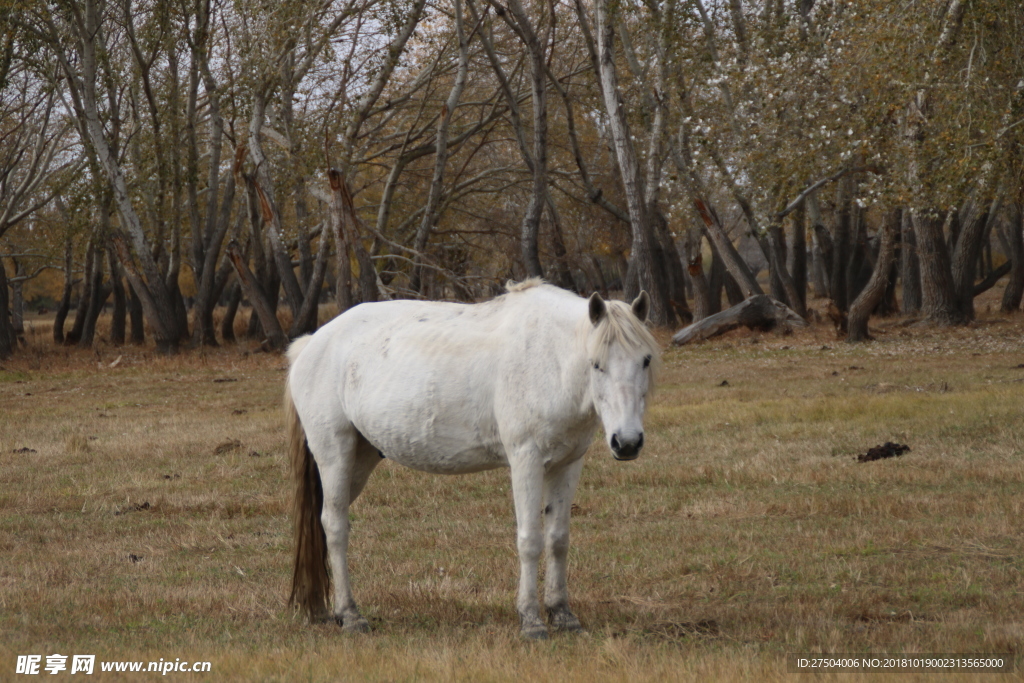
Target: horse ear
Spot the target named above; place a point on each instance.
(597, 308)
(642, 306)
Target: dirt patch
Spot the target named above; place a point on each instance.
(886, 450)
(227, 446)
(137, 507)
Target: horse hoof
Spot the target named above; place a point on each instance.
(566, 622)
(534, 632)
(354, 624)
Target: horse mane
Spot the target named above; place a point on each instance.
(620, 326)
(530, 283)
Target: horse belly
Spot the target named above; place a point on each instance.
(434, 424)
(441, 451)
(445, 461)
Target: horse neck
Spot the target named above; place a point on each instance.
(563, 326)
(577, 376)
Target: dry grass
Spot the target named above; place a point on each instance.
(745, 531)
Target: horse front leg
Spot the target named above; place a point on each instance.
(559, 490)
(527, 491)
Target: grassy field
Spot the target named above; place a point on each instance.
(144, 515)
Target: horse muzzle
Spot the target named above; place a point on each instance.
(625, 450)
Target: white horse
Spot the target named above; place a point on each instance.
(519, 382)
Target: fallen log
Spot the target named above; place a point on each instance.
(758, 312)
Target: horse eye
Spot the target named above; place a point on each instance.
(647, 361)
(597, 366)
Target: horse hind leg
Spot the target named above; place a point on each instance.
(559, 489)
(367, 459)
(346, 465)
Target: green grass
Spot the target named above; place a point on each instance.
(745, 531)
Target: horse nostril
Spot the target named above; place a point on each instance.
(615, 442)
(640, 443)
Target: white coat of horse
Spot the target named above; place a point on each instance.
(520, 382)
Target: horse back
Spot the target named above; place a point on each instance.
(439, 386)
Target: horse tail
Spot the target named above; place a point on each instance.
(311, 578)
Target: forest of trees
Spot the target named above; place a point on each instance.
(171, 156)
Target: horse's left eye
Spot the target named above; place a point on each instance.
(597, 366)
(647, 361)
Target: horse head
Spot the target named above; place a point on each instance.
(623, 356)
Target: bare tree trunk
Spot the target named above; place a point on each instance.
(565, 279)
(869, 298)
(641, 274)
(18, 301)
(722, 249)
(888, 306)
(938, 290)
(171, 279)
(347, 223)
(694, 256)
(8, 341)
(858, 263)
(343, 277)
(716, 282)
(85, 297)
(952, 231)
(148, 283)
(776, 244)
(82, 331)
(938, 296)
(1015, 287)
(117, 322)
(733, 294)
(258, 299)
(98, 297)
(265, 271)
(306, 320)
(602, 283)
(775, 287)
(910, 266)
(65, 299)
(819, 280)
(441, 157)
(841, 245)
(975, 227)
(212, 278)
(822, 243)
(734, 263)
(798, 258)
(535, 49)
(672, 267)
(136, 319)
(227, 323)
(303, 239)
(368, 290)
(272, 222)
